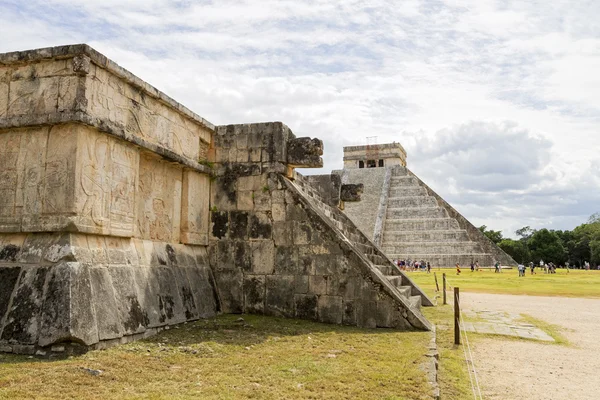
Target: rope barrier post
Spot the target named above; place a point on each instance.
(444, 286)
(456, 317)
(437, 286)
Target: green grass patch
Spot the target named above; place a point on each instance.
(553, 330)
(260, 357)
(453, 376)
(575, 283)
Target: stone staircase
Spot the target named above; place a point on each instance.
(417, 227)
(378, 260)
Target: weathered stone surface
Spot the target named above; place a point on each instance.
(305, 153)
(352, 192)
(111, 228)
(67, 313)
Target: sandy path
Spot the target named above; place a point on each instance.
(514, 370)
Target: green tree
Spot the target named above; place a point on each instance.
(546, 245)
(525, 233)
(517, 249)
(494, 236)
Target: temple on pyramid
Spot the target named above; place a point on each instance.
(405, 217)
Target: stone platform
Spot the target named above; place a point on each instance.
(122, 213)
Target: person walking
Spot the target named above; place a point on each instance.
(428, 267)
(457, 269)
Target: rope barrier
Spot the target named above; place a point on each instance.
(474, 380)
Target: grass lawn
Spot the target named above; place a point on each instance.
(261, 357)
(576, 283)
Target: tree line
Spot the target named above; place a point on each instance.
(575, 247)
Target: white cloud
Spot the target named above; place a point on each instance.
(441, 77)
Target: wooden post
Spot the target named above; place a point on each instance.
(437, 286)
(456, 317)
(444, 287)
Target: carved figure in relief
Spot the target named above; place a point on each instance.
(96, 182)
(160, 226)
(56, 179)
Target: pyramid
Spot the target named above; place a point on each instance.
(406, 218)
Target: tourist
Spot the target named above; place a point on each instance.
(457, 269)
(497, 267)
(542, 265)
(428, 267)
(476, 265)
(532, 267)
(521, 268)
(472, 266)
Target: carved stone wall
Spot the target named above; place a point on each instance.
(273, 252)
(104, 205)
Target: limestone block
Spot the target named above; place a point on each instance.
(230, 287)
(131, 315)
(254, 293)
(159, 200)
(35, 96)
(317, 284)
(108, 316)
(245, 201)
(280, 295)
(43, 69)
(278, 212)
(286, 261)
(97, 246)
(262, 200)
(68, 311)
(366, 313)
(330, 309)
(3, 97)
(349, 317)
(10, 247)
(170, 302)
(204, 291)
(263, 257)
(190, 310)
(148, 294)
(195, 208)
(219, 224)
(305, 306)
(260, 225)
(9, 277)
(352, 192)
(302, 232)
(282, 233)
(305, 153)
(59, 177)
(238, 225)
(35, 247)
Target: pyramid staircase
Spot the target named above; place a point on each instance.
(377, 260)
(419, 228)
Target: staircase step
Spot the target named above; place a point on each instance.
(412, 201)
(396, 192)
(415, 301)
(420, 224)
(385, 269)
(431, 248)
(416, 212)
(451, 235)
(404, 181)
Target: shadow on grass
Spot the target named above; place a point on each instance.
(232, 330)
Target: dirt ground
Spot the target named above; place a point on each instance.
(515, 370)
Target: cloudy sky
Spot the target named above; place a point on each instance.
(496, 102)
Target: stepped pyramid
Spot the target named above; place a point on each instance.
(405, 217)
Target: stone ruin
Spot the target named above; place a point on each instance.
(406, 218)
(123, 213)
